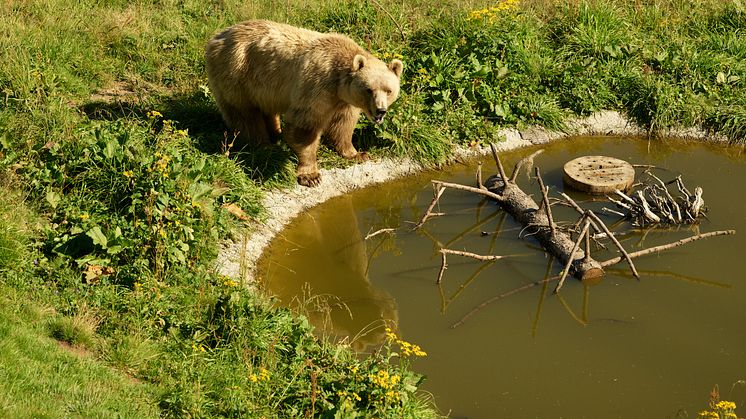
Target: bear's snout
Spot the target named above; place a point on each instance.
(378, 116)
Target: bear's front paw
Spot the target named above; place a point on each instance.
(362, 157)
(310, 179)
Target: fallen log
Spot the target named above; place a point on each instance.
(558, 243)
(538, 221)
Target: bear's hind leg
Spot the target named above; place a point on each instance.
(272, 124)
(339, 133)
(248, 123)
(305, 143)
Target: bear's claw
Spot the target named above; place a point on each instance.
(310, 179)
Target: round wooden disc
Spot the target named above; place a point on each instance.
(599, 174)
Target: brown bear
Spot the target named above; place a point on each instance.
(258, 70)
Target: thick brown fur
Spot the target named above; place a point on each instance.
(259, 70)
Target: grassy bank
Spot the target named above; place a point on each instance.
(117, 182)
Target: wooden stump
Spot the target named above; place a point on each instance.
(599, 175)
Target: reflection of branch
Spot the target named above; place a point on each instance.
(445, 303)
(605, 264)
(472, 228)
(500, 297)
(569, 310)
(535, 325)
(678, 277)
(661, 248)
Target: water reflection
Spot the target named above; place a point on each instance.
(326, 256)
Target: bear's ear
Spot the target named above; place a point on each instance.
(397, 67)
(358, 62)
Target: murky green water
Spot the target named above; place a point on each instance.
(619, 349)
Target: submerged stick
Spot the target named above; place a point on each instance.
(443, 267)
(583, 233)
(663, 247)
(470, 255)
(428, 213)
(500, 167)
(486, 193)
(381, 231)
(579, 210)
(547, 206)
(613, 239)
(480, 184)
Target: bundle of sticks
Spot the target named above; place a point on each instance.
(650, 202)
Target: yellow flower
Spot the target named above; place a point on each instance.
(253, 378)
(263, 374)
(390, 336)
(128, 173)
(84, 216)
(154, 114)
(725, 405)
(394, 395)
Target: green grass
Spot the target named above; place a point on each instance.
(111, 213)
(41, 378)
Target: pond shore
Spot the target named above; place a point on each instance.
(238, 259)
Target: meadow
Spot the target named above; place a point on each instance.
(118, 182)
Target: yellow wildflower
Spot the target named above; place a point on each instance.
(725, 405)
(394, 395)
(128, 173)
(263, 374)
(84, 216)
(253, 378)
(154, 114)
(390, 336)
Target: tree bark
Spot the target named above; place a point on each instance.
(526, 211)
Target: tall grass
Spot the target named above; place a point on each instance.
(117, 175)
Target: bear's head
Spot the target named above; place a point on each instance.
(374, 85)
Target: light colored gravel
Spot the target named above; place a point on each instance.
(238, 259)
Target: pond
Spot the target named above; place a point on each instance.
(652, 348)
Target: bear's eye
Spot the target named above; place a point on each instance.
(369, 90)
